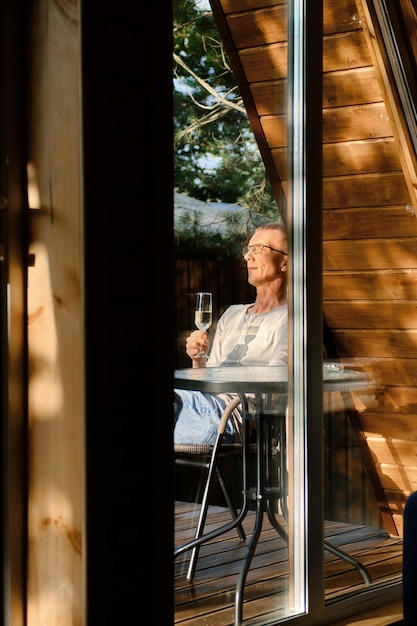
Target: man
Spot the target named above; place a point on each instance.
(246, 334)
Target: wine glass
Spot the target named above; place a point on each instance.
(203, 314)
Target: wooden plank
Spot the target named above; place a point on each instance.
(400, 372)
(368, 190)
(56, 489)
(344, 50)
(389, 451)
(399, 523)
(356, 122)
(252, 25)
(392, 343)
(335, 12)
(348, 492)
(385, 398)
(360, 157)
(265, 63)
(391, 425)
(370, 254)
(373, 472)
(353, 123)
(366, 314)
(397, 498)
(258, 27)
(400, 477)
(397, 501)
(337, 87)
(366, 223)
(402, 398)
(270, 97)
(346, 158)
(210, 598)
(383, 616)
(234, 6)
(399, 284)
(340, 51)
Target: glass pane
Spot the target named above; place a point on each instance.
(269, 587)
(364, 420)
(345, 460)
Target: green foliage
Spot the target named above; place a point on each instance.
(216, 156)
(191, 231)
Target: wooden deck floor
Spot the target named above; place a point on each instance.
(209, 599)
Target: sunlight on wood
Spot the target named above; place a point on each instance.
(45, 385)
(34, 199)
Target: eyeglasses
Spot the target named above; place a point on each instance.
(257, 248)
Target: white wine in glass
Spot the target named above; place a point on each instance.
(203, 314)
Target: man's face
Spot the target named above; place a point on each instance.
(268, 265)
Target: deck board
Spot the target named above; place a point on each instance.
(209, 599)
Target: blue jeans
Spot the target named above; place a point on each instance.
(199, 418)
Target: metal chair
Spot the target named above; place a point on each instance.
(208, 457)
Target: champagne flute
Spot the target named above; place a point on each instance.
(203, 315)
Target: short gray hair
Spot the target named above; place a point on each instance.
(274, 226)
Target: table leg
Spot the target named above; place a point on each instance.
(259, 510)
(264, 495)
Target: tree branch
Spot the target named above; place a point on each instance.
(227, 103)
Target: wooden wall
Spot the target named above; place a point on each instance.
(370, 243)
(56, 323)
(369, 210)
(225, 276)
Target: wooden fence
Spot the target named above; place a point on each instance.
(225, 276)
